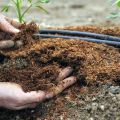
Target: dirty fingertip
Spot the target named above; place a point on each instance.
(64, 73)
(73, 78)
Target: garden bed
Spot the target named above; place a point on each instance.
(36, 65)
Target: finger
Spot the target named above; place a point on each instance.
(10, 44)
(6, 44)
(7, 27)
(11, 85)
(33, 97)
(19, 44)
(64, 73)
(13, 22)
(33, 105)
(61, 86)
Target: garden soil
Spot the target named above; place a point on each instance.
(36, 65)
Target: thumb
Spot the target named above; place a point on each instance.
(7, 27)
(33, 97)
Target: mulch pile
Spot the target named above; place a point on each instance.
(36, 65)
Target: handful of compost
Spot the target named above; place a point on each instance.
(12, 95)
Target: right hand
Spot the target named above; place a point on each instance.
(13, 97)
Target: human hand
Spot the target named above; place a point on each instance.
(10, 26)
(13, 97)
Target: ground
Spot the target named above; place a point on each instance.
(103, 104)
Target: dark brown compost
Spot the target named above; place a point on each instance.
(35, 66)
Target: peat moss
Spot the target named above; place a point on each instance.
(35, 66)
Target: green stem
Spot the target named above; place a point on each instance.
(26, 10)
(32, 4)
(14, 2)
(19, 12)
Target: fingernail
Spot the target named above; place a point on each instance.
(16, 31)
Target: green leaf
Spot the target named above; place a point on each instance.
(5, 8)
(20, 2)
(118, 4)
(114, 15)
(41, 8)
(44, 1)
(30, 1)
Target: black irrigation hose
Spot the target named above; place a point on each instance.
(114, 43)
(82, 34)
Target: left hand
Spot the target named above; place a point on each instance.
(10, 26)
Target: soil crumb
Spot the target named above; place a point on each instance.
(36, 65)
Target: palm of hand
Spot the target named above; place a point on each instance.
(13, 97)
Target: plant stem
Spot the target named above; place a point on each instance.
(32, 4)
(26, 10)
(19, 12)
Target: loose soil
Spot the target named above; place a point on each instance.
(36, 65)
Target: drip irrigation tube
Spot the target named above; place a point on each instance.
(82, 34)
(114, 43)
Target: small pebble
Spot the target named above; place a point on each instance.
(118, 96)
(114, 89)
(102, 107)
(93, 99)
(17, 117)
(94, 106)
(91, 118)
(114, 99)
(32, 111)
(111, 94)
(61, 117)
(88, 108)
(87, 98)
